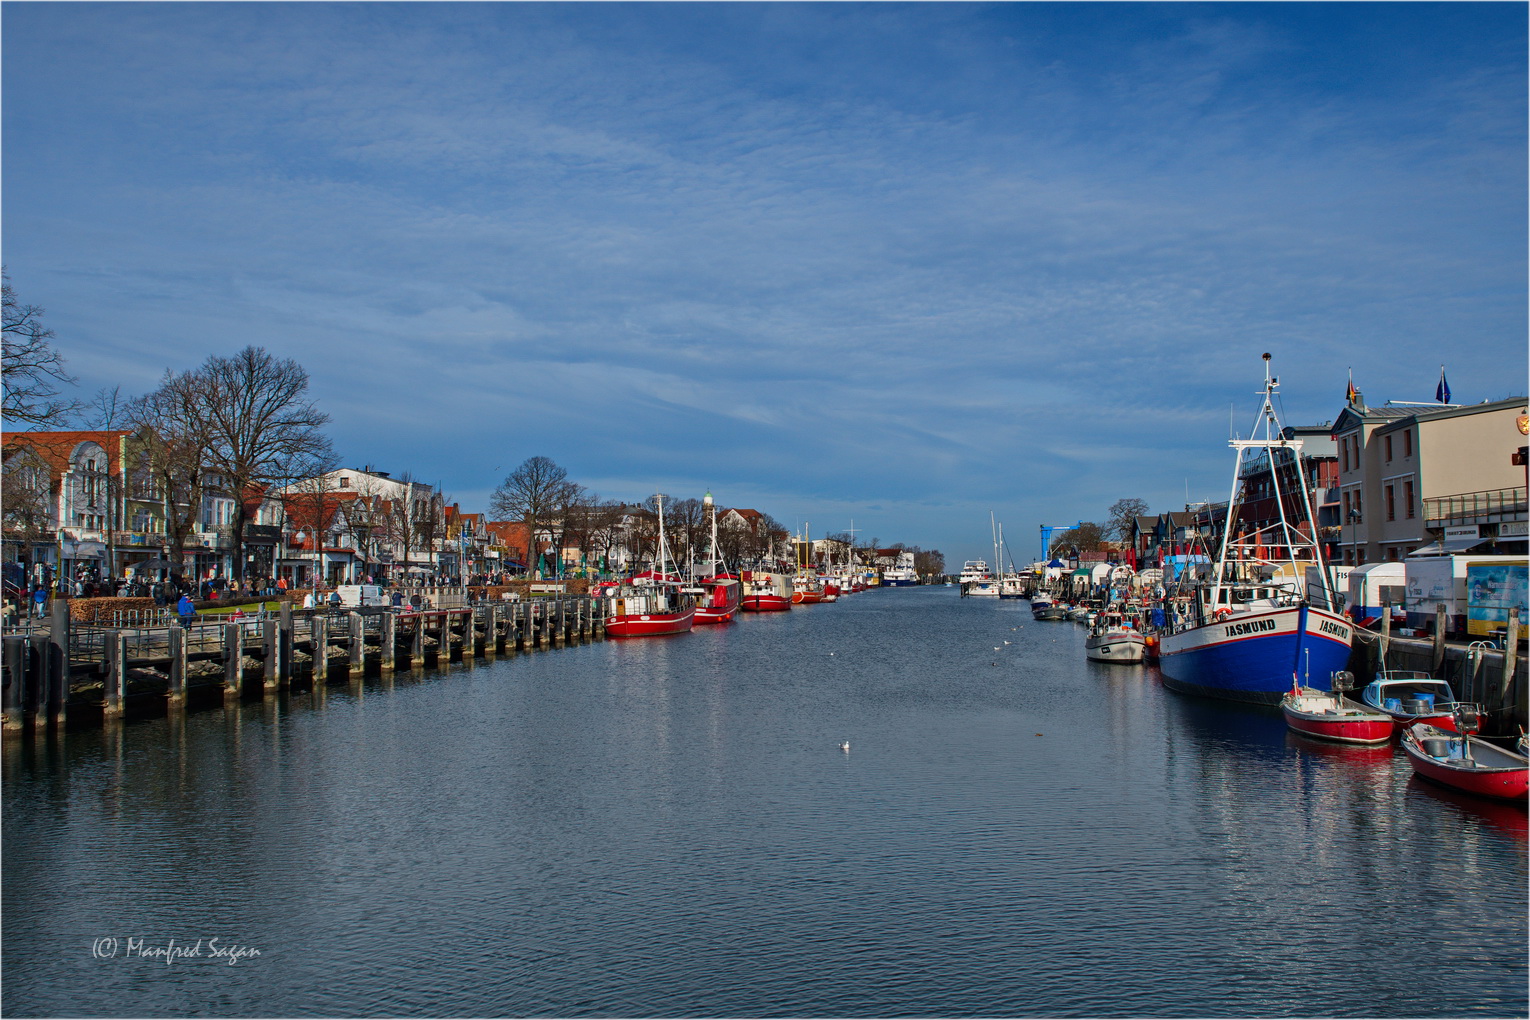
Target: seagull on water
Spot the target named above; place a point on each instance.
(844, 745)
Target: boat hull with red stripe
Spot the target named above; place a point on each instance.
(766, 592)
(650, 624)
(720, 599)
(1329, 716)
(1466, 763)
(645, 610)
(1251, 655)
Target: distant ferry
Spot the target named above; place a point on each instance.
(902, 574)
(974, 570)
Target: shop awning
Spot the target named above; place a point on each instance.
(1450, 547)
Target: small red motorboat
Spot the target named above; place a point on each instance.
(718, 598)
(1329, 715)
(1410, 696)
(1466, 762)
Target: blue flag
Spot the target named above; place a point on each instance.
(1442, 391)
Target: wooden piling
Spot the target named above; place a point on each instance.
(114, 688)
(15, 674)
(319, 643)
(1441, 621)
(1506, 692)
(387, 660)
(270, 652)
(285, 642)
(175, 697)
(358, 648)
(233, 659)
(57, 695)
(34, 695)
(417, 643)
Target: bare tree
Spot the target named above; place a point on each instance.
(430, 523)
(766, 534)
(1122, 516)
(398, 518)
(259, 420)
(174, 440)
(108, 411)
(310, 499)
(369, 518)
(531, 494)
(1087, 537)
(31, 370)
(26, 496)
(603, 529)
(733, 538)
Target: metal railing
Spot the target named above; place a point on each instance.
(1470, 506)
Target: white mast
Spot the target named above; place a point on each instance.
(663, 546)
(712, 512)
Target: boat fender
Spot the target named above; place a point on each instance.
(1222, 614)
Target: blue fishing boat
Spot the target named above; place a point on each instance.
(1248, 631)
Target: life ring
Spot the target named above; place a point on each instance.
(1222, 614)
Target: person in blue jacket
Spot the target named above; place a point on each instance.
(186, 610)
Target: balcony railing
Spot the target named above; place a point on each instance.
(1475, 507)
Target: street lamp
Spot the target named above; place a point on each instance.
(299, 538)
(1354, 519)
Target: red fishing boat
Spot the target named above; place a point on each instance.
(1329, 715)
(1465, 762)
(766, 592)
(650, 604)
(720, 598)
(717, 596)
(648, 611)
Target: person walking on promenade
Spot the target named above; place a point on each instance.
(186, 610)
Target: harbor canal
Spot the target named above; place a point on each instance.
(670, 827)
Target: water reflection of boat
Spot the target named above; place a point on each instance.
(1371, 756)
(1500, 814)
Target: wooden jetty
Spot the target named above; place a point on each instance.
(85, 673)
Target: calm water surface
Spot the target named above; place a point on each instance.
(669, 828)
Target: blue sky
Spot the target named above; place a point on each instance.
(901, 264)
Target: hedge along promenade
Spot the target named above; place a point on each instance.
(103, 610)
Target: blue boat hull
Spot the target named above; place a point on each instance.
(1255, 657)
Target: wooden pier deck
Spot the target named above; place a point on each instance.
(69, 672)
